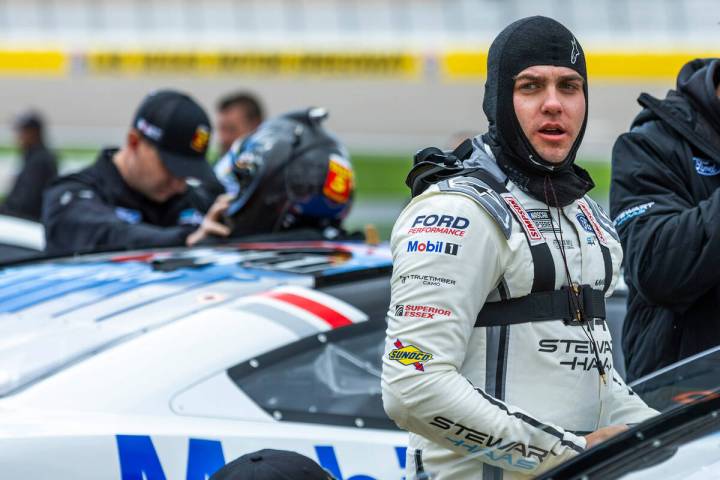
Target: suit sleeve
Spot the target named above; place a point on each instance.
(625, 406)
(77, 219)
(439, 284)
(671, 242)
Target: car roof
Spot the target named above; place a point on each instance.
(58, 312)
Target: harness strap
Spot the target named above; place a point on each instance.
(542, 307)
(543, 265)
(544, 303)
(607, 262)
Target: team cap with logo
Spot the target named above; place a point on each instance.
(180, 129)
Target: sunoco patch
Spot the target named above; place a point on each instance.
(409, 355)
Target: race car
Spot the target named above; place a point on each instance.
(20, 238)
(681, 443)
(167, 364)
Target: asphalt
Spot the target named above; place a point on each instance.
(368, 114)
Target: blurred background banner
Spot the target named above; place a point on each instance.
(396, 75)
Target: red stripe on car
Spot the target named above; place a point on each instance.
(333, 318)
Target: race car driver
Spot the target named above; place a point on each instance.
(137, 196)
(497, 358)
(291, 179)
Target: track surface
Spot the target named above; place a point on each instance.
(370, 115)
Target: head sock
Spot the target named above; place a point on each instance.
(525, 43)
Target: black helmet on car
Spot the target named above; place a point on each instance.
(290, 173)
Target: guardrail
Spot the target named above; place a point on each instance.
(451, 65)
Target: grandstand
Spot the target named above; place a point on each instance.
(395, 74)
(348, 23)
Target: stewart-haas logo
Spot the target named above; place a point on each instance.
(409, 355)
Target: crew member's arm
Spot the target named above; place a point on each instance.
(671, 242)
(440, 281)
(77, 219)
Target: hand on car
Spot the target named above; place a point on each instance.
(599, 436)
(212, 224)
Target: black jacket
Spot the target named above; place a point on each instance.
(96, 209)
(665, 203)
(38, 170)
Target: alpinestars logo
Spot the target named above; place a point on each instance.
(574, 52)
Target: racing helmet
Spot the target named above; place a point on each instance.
(290, 173)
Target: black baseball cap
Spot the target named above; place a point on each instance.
(29, 119)
(180, 129)
(271, 464)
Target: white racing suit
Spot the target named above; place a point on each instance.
(504, 401)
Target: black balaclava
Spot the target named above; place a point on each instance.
(525, 43)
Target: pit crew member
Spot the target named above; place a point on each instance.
(138, 196)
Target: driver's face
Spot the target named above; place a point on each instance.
(549, 104)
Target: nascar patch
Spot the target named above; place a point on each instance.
(409, 355)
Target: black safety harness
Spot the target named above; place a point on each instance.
(543, 303)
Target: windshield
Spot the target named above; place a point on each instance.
(682, 383)
(683, 442)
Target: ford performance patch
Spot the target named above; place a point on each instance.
(441, 224)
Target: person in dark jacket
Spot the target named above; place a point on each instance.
(138, 196)
(665, 203)
(39, 168)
